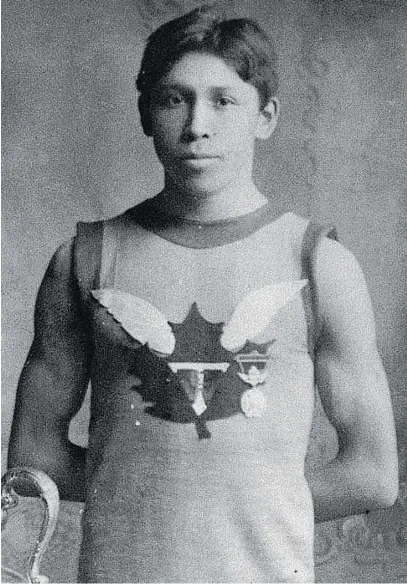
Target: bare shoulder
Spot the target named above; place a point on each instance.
(60, 268)
(57, 309)
(334, 260)
(61, 261)
(343, 296)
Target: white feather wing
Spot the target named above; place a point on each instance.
(140, 319)
(254, 312)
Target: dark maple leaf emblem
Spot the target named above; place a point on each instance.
(172, 394)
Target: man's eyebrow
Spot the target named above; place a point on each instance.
(166, 85)
(186, 87)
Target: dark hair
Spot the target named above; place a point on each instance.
(240, 42)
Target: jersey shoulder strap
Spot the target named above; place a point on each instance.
(313, 235)
(95, 252)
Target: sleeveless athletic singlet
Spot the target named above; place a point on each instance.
(202, 397)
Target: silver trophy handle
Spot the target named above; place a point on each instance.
(47, 490)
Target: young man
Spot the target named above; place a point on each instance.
(202, 319)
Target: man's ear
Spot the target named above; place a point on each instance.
(144, 110)
(268, 117)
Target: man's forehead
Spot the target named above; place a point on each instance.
(200, 67)
(196, 72)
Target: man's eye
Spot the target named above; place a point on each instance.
(224, 101)
(173, 100)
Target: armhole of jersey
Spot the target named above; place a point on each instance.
(313, 235)
(112, 233)
(88, 247)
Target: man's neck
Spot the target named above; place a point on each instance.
(206, 207)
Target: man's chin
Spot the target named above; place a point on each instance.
(206, 182)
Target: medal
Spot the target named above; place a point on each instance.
(194, 386)
(253, 372)
(253, 403)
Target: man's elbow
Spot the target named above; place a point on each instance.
(387, 491)
(28, 447)
(384, 485)
(22, 452)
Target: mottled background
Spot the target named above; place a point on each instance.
(74, 149)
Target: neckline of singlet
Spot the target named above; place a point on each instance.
(194, 234)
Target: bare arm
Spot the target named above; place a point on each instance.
(354, 393)
(53, 383)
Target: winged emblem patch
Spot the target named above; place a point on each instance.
(148, 325)
(198, 371)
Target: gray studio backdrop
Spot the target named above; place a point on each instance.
(74, 149)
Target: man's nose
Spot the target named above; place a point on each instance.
(200, 122)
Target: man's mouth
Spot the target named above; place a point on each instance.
(199, 160)
(200, 156)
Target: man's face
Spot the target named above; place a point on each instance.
(204, 121)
